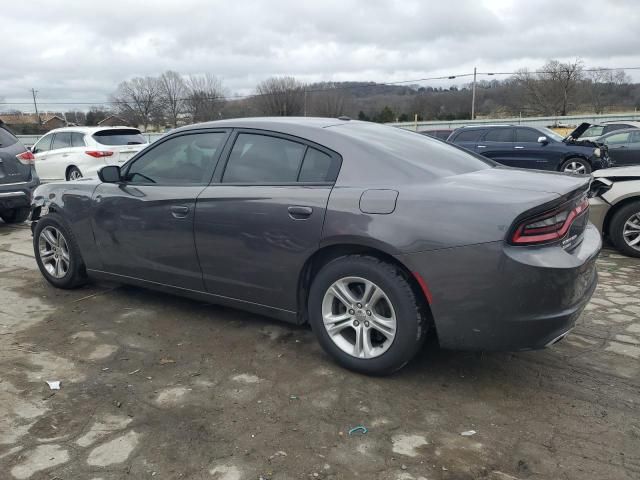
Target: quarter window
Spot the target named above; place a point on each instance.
(61, 140)
(184, 160)
(499, 135)
(318, 167)
(263, 159)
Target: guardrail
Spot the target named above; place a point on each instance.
(569, 120)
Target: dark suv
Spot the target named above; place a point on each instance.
(18, 178)
(532, 147)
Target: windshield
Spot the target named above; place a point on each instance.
(551, 134)
(120, 136)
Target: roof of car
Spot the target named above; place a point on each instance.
(620, 130)
(268, 123)
(622, 122)
(89, 130)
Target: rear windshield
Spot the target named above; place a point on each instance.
(438, 158)
(6, 137)
(120, 136)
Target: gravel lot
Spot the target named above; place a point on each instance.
(154, 386)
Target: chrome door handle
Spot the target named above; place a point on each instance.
(518, 148)
(298, 212)
(179, 211)
(482, 146)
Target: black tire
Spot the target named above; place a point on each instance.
(411, 318)
(616, 228)
(76, 274)
(71, 171)
(579, 161)
(17, 215)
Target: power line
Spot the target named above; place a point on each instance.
(341, 87)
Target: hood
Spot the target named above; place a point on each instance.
(618, 172)
(579, 130)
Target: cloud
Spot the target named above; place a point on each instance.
(79, 51)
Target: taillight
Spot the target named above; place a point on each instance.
(549, 226)
(26, 158)
(99, 153)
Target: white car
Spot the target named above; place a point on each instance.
(71, 153)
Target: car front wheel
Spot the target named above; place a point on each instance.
(576, 166)
(366, 315)
(57, 253)
(624, 229)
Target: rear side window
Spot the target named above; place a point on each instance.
(77, 139)
(527, 135)
(43, 145)
(318, 167)
(6, 138)
(471, 135)
(61, 140)
(499, 135)
(120, 136)
(618, 138)
(613, 127)
(263, 159)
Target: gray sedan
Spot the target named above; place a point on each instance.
(615, 208)
(371, 234)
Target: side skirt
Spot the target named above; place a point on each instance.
(284, 315)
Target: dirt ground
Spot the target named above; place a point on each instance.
(154, 386)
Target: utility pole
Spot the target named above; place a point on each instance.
(305, 100)
(473, 96)
(35, 105)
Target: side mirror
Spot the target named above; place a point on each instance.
(109, 174)
(544, 140)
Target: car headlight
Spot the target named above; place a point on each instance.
(596, 152)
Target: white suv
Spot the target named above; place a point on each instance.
(71, 153)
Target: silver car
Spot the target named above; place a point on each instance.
(615, 207)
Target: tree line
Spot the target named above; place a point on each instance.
(555, 89)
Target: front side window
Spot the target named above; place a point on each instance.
(184, 160)
(499, 135)
(61, 140)
(527, 135)
(635, 139)
(263, 159)
(43, 145)
(618, 139)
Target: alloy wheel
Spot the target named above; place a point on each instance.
(75, 174)
(54, 252)
(577, 168)
(631, 231)
(359, 317)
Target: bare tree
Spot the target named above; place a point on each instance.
(173, 91)
(328, 101)
(551, 90)
(281, 96)
(139, 100)
(602, 84)
(205, 97)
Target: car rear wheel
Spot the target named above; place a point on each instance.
(74, 173)
(576, 166)
(624, 229)
(17, 215)
(57, 254)
(366, 315)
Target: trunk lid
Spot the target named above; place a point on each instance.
(123, 142)
(11, 169)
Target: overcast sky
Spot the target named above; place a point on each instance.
(80, 50)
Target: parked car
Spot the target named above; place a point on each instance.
(598, 130)
(532, 147)
(370, 233)
(615, 207)
(18, 178)
(442, 134)
(71, 153)
(623, 146)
